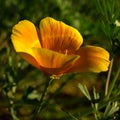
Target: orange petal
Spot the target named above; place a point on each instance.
(30, 59)
(56, 35)
(24, 36)
(54, 62)
(94, 59)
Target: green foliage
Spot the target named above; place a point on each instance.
(21, 85)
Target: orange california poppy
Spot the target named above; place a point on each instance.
(55, 49)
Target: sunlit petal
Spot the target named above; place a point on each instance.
(94, 59)
(56, 35)
(24, 36)
(52, 60)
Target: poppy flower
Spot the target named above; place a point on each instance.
(55, 49)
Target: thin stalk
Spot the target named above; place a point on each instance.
(99, 7)
(113, 83)
(95, 112)
(108, 78)
(41, 102)
(105, 10)
(69, 114)
(13, 113)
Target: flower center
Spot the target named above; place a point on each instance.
(66, 52)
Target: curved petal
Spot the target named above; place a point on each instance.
(94, 59)
(30, 59)
(53, 62)
(24, 36)
(56, 35)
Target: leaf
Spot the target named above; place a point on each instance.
(111, 109)
(85, 91)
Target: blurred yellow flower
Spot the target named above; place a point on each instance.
(55, 48)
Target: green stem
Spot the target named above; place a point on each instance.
(113, 83)
(41, 102)
(108, 78)
(72, 116)
(13, 113)
(95, 112)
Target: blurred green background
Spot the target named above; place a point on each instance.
(21, 84)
